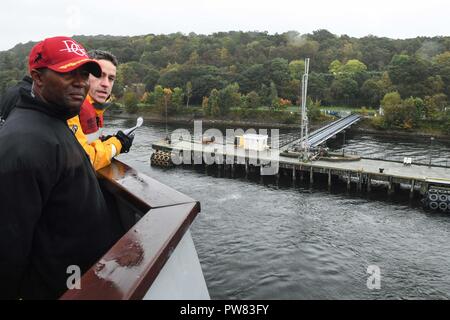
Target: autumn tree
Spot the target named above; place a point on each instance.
(205, 107)
(167, 101)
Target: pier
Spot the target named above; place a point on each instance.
(364, 173)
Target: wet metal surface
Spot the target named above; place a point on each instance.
(128, 269)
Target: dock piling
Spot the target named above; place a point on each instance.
(411, 191)
(390, 187)
(348, 181)
(329, 179)
(359, 184)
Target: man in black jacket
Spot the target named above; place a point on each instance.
(11, 96)
(53, 216)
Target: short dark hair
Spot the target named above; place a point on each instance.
(103, 55)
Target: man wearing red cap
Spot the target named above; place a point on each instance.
(52, 211)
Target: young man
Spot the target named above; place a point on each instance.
(52, 210)
(88, 125)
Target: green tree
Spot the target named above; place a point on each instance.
(435, 106)
(177, 98)
(356, 70)
(319, 86)
(297, 69)
(193, 58)
(410, 112)
(372, 92)
(279, 72)
(394, 115)
(252, 78)
(344, 90)
(273, 96)
(131, 73)
(348, 49)
(434, 85)
(391, 99)
(229, 97)
(408, 74)
(151, 79)
(335, 67)
(441, 65)
(130, 101)
(213, 103)
(158, 98)
(354, 67)
(313, 109)
(253, 100)
(188, 93)
(416, 67)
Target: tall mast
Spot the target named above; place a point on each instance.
(304, 115)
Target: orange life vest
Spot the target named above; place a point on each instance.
(91, 119)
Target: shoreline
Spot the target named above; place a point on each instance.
(186, 120)
(359, 128)
(401, 134)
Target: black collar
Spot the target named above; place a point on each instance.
(27, 101)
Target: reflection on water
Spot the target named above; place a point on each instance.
(267, 241)
(420, 149)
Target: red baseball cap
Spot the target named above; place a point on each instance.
(61, 54)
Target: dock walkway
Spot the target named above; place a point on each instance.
(322, 134)
(362, 171)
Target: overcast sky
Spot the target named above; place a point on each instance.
(25, 20)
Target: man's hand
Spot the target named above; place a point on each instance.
(125, 140)
(104, 138)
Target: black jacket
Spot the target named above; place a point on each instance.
(11, 96)
(52, 211)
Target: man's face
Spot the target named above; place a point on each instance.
(64, 89)
(100, 88)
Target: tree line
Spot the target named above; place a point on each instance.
(251, 69)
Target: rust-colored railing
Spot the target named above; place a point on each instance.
(129, 268)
